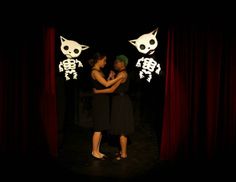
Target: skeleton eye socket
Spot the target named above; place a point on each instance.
(152, 41)
(142, 47)
(66, 47)
(76, 51)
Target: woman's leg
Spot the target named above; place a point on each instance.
(123, 145)
(97, 136)
(100, 139)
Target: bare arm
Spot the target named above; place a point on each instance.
(103, 81)
(108, 90)
(114, 87)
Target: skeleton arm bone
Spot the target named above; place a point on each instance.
(138, 64)
(80, 64)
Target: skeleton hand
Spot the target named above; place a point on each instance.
(158, 69)
(60, 67)
(138, 64)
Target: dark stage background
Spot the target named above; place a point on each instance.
(191, 105)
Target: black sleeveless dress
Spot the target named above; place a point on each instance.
(122, 121)
(100, 108)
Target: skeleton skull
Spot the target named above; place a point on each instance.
(146, 43)
(70, 48)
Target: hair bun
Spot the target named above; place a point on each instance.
(91, 62)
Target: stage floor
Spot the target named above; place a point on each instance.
(75, 162)
(143, 153)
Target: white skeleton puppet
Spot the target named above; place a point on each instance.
(146, 44)
(71, 50)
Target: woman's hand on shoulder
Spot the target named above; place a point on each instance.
(121, 75)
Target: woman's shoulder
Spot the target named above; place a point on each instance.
(95, 70)
(124, 73)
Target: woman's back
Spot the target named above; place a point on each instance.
(96, 84)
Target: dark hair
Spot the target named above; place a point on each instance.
(95, 58)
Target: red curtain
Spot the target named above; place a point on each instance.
(28, 119)
(48, 100)
(199, 120)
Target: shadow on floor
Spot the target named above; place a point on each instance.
(143, 152)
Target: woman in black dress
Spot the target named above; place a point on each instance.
(100, 104)
(122, 122)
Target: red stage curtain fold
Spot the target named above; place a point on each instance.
(48, 100)
(199, 119)
(28, 118)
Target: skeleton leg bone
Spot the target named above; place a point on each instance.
(146, 72)
(141, 74)
(149, 77)
(66, 75)
(75, 75)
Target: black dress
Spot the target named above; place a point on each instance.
(122, 121)
(100, 108)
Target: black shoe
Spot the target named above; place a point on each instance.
(120, 158)
(117, 154)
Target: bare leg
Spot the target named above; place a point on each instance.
(96, 142)
(99, 142)
(101, 154)
(123, 144)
